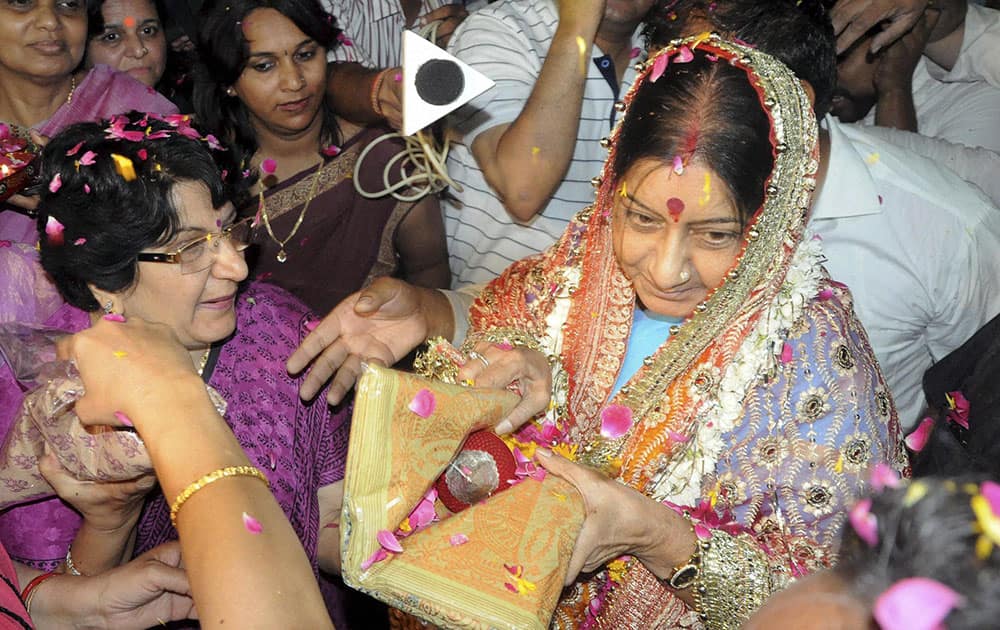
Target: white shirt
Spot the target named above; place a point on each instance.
(976, 165)
(508, 41)
(962, 105)
(919, 249)
(373, 29)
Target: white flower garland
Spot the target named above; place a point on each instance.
(758, 355)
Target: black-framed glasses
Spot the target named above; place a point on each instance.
(198, 254)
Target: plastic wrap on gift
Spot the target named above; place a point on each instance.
(46, 421)
(501, 563)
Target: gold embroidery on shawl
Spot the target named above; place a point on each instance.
(332, 174)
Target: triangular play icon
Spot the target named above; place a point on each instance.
(435, 83)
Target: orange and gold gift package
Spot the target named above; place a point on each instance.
(500, 563)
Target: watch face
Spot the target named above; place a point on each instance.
(684, 577)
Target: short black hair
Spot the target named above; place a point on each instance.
(931, 537)
(797, 33)
(708, 112)
(224, 51)
(107, 215)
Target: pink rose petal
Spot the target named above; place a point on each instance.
(616, 420)
(684, 55)
(659, 67)
(786, 353)
(680, 438)
(251, 524)
(388, 541)
(378, 556)
(959, 409)
(80, 241)
(54, 230)
(269, 166)
(884, 477)
(917, 440)
(123, 419)
(86, 188)
(457, 539)
(678, 165)
(88, 158)
(825, 294)
(916, 603)
(991, 492)
(56, 183)
(76, 149)
(423, 403)
(864, 522)
(312, 324)
(331, 150)
(114, 317)
(143, 154)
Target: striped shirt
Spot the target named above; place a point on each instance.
(373, 29)
(508, 42)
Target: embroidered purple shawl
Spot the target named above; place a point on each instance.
(299, 447)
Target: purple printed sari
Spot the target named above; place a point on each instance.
(300, 447)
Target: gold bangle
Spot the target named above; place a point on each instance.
(212, 477)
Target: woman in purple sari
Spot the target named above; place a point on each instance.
(135, 222)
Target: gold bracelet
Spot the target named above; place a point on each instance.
(212, 477)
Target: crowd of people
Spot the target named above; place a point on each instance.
(739, 259)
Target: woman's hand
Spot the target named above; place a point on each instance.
(106, 506)
(620, 521)
(126, 366)
(497, 366)
(148, 591)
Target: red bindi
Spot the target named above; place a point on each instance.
(675, 207)
(129, 22)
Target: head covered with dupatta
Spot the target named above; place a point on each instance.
(690, 409)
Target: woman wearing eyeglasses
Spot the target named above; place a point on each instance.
(135, 222)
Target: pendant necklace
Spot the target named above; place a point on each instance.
(262, 209)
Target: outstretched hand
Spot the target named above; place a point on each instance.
(380, 324)
(497, 366)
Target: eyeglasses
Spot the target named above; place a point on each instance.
(199, 254)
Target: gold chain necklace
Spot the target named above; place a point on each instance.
(262, 208)
(72, 89)
(203, 361)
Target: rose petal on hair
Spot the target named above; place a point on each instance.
(883, 477)
(864, 522)
(76, 149)
(457, 539)
(88, 159)
(56, 183)
(268, 166)
(86, 188)
(684, 55)
(958, 406)
(114, 317)
(659, 67)
(378, 556)
(616, 420)
(917, 440)
(124, 419)
(991, 492)
(80, 241)
(423, 403)
(916, 603)
(251, 524)
(388, 541)
(54, 231)
(678, 163)
(143, 154)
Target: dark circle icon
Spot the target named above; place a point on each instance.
(439, 82)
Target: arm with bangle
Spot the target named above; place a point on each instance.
(228, 520)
